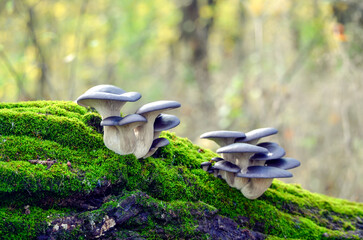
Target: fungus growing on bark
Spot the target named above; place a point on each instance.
(145, 132)
(250, 168)
(119, 135)
(223, 138)
(107, 99)
(136, 133)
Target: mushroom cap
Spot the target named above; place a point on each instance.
(257, 134)
(106, 88)
(223, 134)
(217, 159)
(227, 166)
(108, 92)
(119, 121)
(284, 163)
(264, 172)
(165, 122)
(157, 106)
(159, 142)
(274, 152)
(205, 164)
(242, 148)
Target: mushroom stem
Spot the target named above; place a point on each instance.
(120, 139)
(145, 134)
(255, 187)
(105, 108)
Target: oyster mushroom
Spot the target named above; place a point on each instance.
(223, 138)
(119, 133)
(107, 99)
(239, 153)
(157, 143)
(206, 165)
(283, 163)
(274, 152)
(164, 122)
(227, 171)
(253, 136)
(257, 179)
(145, 132)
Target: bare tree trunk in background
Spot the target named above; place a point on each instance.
(43, 79)
(195, 32)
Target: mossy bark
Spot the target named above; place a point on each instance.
(91, 192)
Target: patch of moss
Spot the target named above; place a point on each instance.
(66, 132)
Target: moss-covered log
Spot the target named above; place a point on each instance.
(87, 191)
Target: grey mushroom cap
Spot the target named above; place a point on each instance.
(205, 164)
(106, 88)
(265, 172)
(227, 166)
(284, 163)
(241, 148)
(274, 152)
(157, 106)
(120, 121)
(223, 134)
(159, 142)
(217, 159)
(257, 134)
(165, 122)
(123, 97)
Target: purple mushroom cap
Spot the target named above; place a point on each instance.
(257, 134)
(241, 148)
(284, 163)
(165, 122)
(274, 152)
(265, 172)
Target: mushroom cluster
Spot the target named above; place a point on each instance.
(136, 133)
(246, 164)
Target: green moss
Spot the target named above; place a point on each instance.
(66, 132)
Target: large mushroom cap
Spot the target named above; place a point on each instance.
(274, 152)
(157, 106)
(165, 122)
(284, 163)
(223, 138)
(123, 97)
(241, 148)
(226, 166)
(265, 172)
(106, 89)
(120, 121)
(257, 134)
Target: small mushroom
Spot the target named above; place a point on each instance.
(145, 132)
(217, 159)
(274, 152)
(253, 136)
(227, 171)
(164, 122)
(157, 143)
(223, 138)
(260, 179)
(107, 99)
(283, 163)
(206, 165)
(239, 153)
(119, 133)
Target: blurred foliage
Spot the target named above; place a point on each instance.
(233, 64)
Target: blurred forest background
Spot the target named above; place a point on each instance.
(232, 64)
